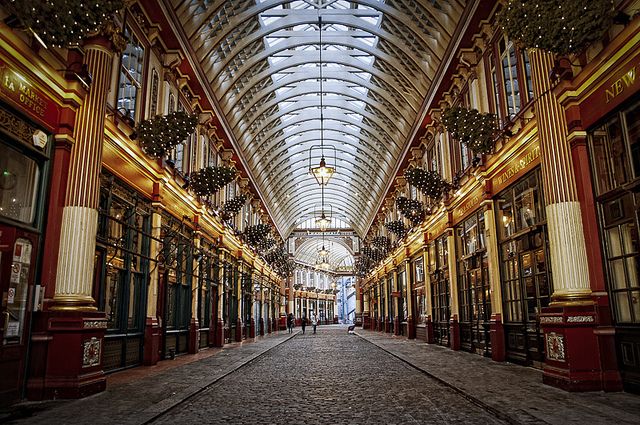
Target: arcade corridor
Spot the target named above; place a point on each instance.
(183, 181)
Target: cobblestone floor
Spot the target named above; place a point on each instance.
(328, 378)
(336, 378)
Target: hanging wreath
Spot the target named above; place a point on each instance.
(411, 208)
(475, 129)
(397, 227)
(160, 134)
(426, 181)
(234, 205)
(209, 180)
(557, 26)
(59, 23)
(253, 235)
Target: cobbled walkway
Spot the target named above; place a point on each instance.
(328, 378)
(515, 391)
(336, 378)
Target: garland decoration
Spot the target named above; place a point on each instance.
(474, 128)
(382, 243)
(279, 260)
(209, 180)
(428, 182)
(411, 209)
(234, 205)
(62, 22)
(160, 134)
(558, 26)
(266, 244)
(253, 235)
(397, 227)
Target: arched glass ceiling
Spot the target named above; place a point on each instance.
(261, 58)
(339, 255)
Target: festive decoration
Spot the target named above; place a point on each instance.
(428, 182)
(234, 205)
(253, 235)
(279, 261)
(209, 180)
(412, 209)
(160, 134)
(383, 243)
(266, 244)
(558, 26)
(62, 22)
(397, 227)
(471, 127)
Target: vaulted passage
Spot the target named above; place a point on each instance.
(185, 184)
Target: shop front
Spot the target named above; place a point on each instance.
(440, 290)
(419, 295)
(474, 299)
(525, 273)
(122, 268)
(614, 145)
(25, 151)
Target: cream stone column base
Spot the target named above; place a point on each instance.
(76, 259)
(569, 268)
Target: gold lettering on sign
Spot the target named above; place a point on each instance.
(518, 165)
(619, 85)
(21, 91)
(469, 204)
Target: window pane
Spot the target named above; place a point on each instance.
(632, 119)
(19, 177)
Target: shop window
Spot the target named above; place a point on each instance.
(615, 157)
(440, 292)
(402, 287)
(526, 280)
(19, 187)
(131, 69)
(155, 92)
(418, 270)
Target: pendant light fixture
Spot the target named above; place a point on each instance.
(322, 172)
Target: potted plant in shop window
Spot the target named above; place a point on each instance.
(558, 26)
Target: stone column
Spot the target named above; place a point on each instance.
(572, 358)
(396, 303)
(428, 303)
(152, 329)
(496, 328)
(74, 327)
(74, 279)
(454, 327)
(411, 325)
(564, 219)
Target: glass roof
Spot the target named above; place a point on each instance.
(261, 58)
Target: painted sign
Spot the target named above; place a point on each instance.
(15, 87)
(623, 82)
(517, 167)
(471, 203)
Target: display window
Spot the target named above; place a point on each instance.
(473, 284)
(440, 291)
(615, 159)
(525, 276)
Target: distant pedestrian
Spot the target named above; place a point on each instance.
(303, 323)
(314, 322)
(290, 322)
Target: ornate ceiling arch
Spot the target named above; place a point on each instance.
(261, 59)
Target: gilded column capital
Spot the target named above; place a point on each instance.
(110, 34)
